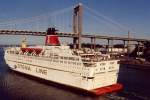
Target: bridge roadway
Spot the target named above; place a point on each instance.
(71, 35)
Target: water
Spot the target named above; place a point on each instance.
(14, 86)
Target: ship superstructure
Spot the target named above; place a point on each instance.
(84, 69)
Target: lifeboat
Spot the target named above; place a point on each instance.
(31, 50)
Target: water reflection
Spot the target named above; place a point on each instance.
(16, 86)
(136, 82)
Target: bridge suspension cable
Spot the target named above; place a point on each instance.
(35, 22)
(62, 20)
(98, 16)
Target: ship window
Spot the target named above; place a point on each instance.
(102, 64)
(79, 64)
(74, 63)
(61, 61)
(111, 67)
(77, 59)
(71, 58)
(65, 58)
(55, 57)
(50, 59)
(103, 68)
(111, 62)
(54, 60)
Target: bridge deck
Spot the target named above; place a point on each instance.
(71, 35)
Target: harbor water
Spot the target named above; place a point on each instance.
(14, 86)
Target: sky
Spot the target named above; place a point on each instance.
(133, 15)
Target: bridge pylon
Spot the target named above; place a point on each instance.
(77, 25)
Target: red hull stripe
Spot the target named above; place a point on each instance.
(107, 89)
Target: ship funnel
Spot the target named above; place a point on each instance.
(51, 37)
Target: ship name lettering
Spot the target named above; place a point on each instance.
(25, 67)
(41, 71)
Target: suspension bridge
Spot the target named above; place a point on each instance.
(71, 25)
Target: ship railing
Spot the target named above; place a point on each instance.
(97, 59)
(89, 64)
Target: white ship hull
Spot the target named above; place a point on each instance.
(54, 73)
(103, 74)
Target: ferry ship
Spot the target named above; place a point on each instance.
(83, 69)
